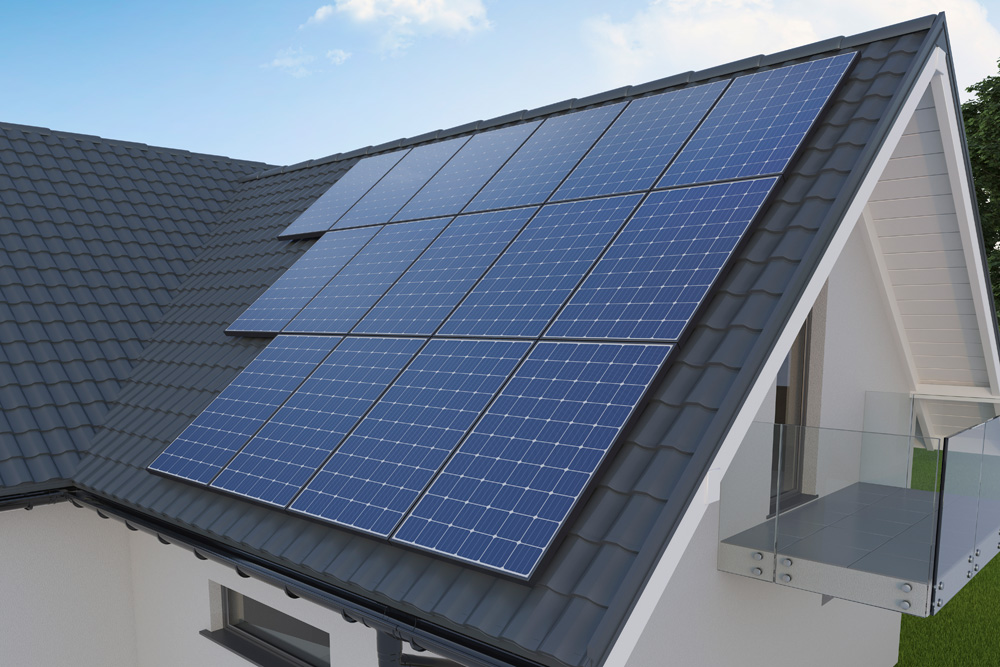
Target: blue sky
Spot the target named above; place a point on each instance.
(289, 81)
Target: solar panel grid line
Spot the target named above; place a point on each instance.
(760, 123)
(401, 184)
(532, 278)
(418, 207)
(242, 408)
(583, 279)
(596, 173)
(280, 303)
(499, 193)
(340, 197)
(406, 309)
(372, 480)
(348, 298)
(501, 500)
(640, 269)
(288, 451)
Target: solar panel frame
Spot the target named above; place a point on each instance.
(377, 473)
(653, 130)
(767, 141)
(428, 292)
(233, 417)
(357, 288)
(455, 518)
(548, 156)
(655, 275)
(458, 182)
(342, 195)
(302, 281)
(288, 450)
(532, 279)
(402, 182)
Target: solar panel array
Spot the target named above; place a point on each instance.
(486, 315)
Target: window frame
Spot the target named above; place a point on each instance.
(247, 645)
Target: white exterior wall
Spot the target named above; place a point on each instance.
(172, 605)
(861, 352)
(708, 618)
(80, 590)
(64, 588)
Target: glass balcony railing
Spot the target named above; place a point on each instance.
(893, 521)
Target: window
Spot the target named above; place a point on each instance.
(266, 636)
(790, 409)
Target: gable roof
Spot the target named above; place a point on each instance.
(571, 613)
(94, 236)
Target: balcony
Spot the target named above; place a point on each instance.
(900, 522)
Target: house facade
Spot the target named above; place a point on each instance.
(810, 459)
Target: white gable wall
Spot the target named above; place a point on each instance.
(65, 589)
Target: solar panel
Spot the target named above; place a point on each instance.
(301, 435)
(208, 443)
(654, 275)
(368, 276)
(537, 273)
(343, 194)
(377, 473)
(538, 167)
(759, 122)
(431, 288)
(301, 282)
(637, 148)
(459, 180)
(503, 496)
(385, 199)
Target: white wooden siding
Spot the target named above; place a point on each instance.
(913, 212)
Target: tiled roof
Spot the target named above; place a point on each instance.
(94, 236)
(569, 614)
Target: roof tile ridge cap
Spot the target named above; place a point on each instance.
(124, 143)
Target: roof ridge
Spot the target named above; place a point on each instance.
(37, 129)
(624, 92)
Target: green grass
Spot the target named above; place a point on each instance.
(966, 632)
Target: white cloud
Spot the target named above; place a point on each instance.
(338, 56)
(404, 19)
(670, 36)
(293, 61)
(320, 15)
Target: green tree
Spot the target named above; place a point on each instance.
(982, 132)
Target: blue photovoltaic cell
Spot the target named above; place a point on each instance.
(385, 199)
(351, 187)
(759, 122)
(652, 278)
(361, 283)
(537, 273)
(205, 446)
(459, 180)
(501, 499)
(637, 148)
(301, 435)
(538, 167)
(301, 282)
(429, 290)
(376, 475)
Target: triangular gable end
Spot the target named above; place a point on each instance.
(915, 210)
